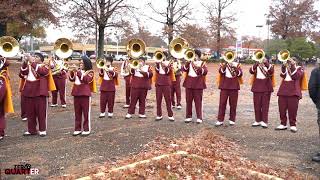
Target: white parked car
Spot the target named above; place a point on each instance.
(120, 57)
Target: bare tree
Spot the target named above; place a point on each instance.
(197, 37)
(219, 20)
(291, 18)
(175, 12)
(85, 15)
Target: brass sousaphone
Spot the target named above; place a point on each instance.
(135, 49)
(63, 48)
(9, 46)
(177, 47)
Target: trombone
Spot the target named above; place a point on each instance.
(284, 56)
(102, 64)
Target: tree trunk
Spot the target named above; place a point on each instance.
(3, 29)
(100, 42)
(219, 29)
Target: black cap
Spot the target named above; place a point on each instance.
(198, 52)
(108, 58)
(86, 62)
(40, 56)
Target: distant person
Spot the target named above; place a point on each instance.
(59, 73)
(125, 73)
(314, 92)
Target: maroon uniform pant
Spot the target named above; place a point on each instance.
(176, 90)
(82, 107)
(61, 89)
(232, 95)
(128, 93)
(261, 101)
(163, 91)
(36, 108)
(23, 106)
(2, 119)
(290, 104)
(107, 98)
(141, 95)
(196, 96)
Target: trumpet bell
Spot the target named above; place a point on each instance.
(134, 64)
(136, 48)
(100, 63)
(159, 56)
(229, 56)
(63, 48)
(177, 47)
(284, 55)
(258, 55)
(189, 55)
(9, 46)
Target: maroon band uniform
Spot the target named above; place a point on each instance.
(2, 113)
(229, 86)
(23, 105)
(262, 88)
(60, 80)
(289, 94)
(194, 84)
(176, 87)
(35, 90)
(81, 91)
(107, 89)
(127, 78)
(163, 88)
(140, 84)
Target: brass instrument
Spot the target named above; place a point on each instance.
(284, 56)
(229, 56)
(9, 46)
(63, 48)
(176, 65)
(136, 48)
(189, 55)
(101, 63)
(159, 56)
(59, 67)
(134, 64)
(258, 56)
(177, 47)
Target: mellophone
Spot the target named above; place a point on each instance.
(178, 49)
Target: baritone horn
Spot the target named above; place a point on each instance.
(63, 48)
(229, 56)
(284, 56)
(258, 56)
(159, 56)
(134, 64)
(136, 48)
(177, 47)
(9, 46)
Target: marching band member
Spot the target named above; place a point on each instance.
(35, 90)
(59, 73)
(176, 87)
(125, 73)
(163, 78)
(108, 80)
(84, 84)
(289, 93)
(194, 84)
(262, 87)
(6, 105)
(230, 74)
(140, 84)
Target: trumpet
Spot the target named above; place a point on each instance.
(258, 56)
(229, 56)
(134, 64)
(284, 56)
(63, 48)
(9, 46)
(159, 56)
(177, 47)
(189, 55)
(101, 63)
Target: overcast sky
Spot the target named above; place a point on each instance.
(249, 14)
